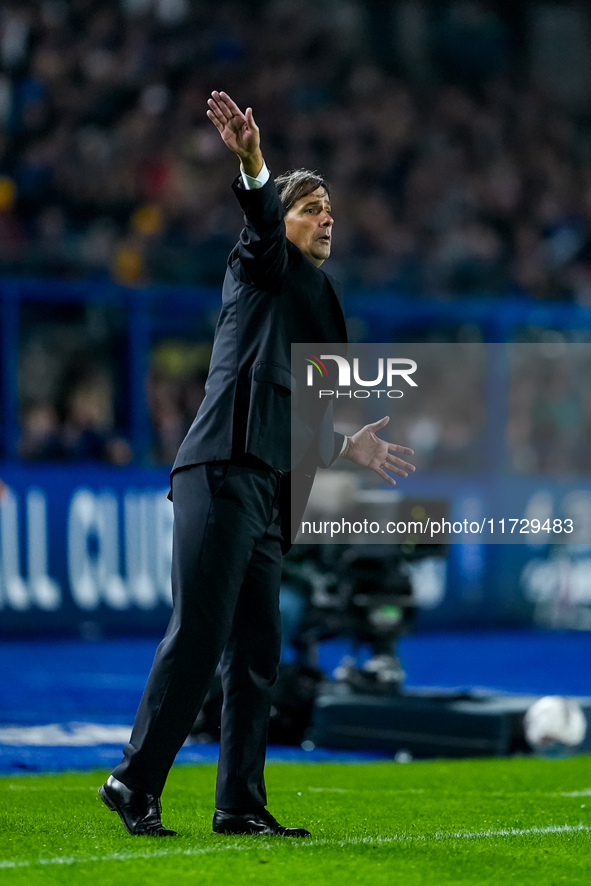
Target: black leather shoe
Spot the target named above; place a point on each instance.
(261, 822)
(139, 812)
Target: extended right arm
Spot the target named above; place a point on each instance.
(262, 247)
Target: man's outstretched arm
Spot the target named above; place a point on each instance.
(263, 243)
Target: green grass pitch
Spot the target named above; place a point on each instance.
(494, 821)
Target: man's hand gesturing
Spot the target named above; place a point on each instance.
(365, 449)
(238, 130)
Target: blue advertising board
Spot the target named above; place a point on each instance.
(87, 549)
(84, 549)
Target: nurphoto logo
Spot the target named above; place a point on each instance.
(389, 371)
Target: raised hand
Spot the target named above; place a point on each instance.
(365, 449)
(238, 130)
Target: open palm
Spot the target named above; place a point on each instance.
(365, 448)
(238, 130)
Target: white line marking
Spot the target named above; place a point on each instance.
(68, 735)
(116, 856)
(585, 793)
(350, 841)
(348, 791)
(505, 832)
(53, 787)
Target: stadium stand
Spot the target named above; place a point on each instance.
(466, 177)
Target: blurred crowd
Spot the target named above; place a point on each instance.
(549, 412)
(74, 386)
(540, 423)
(69, 384)
(467, 181)
(458, 176)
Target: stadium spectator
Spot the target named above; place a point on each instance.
(40, 433)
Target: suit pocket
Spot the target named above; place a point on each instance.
(268, 432)
(216, 472)
(273, 373)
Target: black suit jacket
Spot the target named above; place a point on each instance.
(272, 296)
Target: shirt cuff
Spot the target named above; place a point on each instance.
(344, 446)
(252, 183)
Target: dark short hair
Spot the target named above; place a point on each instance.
(298, 183)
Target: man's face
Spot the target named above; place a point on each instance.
(308, 224)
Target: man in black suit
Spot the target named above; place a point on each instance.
(231, 494)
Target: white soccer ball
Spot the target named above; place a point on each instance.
(555, 720)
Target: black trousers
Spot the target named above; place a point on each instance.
(226, 571)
